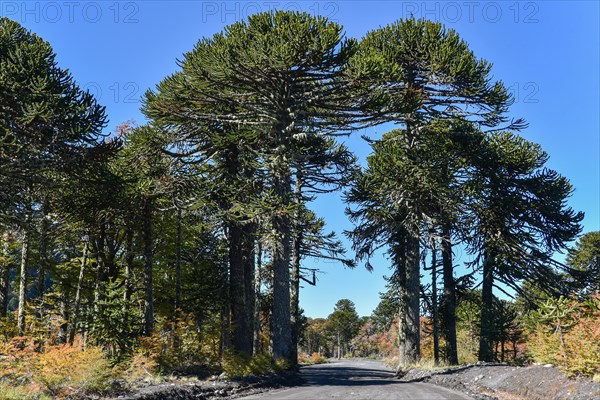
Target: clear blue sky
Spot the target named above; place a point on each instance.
(546, 51)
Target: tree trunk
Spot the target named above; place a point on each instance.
(129, 257)
(225, 339)
(43, 258)
(434, 305)
(449, 300)
(64, 310)
(178, 246)
(486, 351)
(101, 270)
(148, 264)
(296, 259)
(410, 317)
(4, 278)
(77, 304)
(257, 297)
(248, 239)
(295, 297)
(237, 291)
(412, 314)
(281, 329)
(399, 249)
(23, 277)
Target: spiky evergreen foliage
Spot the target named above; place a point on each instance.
(519, 218)
(413, 72)
(48, 127)
(406, 186)
(275, 78)
(585, 259)
(47, 121)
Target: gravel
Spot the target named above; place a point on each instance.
(212, 389)
(487, 381)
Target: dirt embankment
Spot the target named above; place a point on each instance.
(502, 382)
(186, 389)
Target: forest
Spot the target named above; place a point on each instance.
(177, 246)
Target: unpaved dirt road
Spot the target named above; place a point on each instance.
(357, 380)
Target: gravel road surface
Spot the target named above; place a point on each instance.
(357, 380)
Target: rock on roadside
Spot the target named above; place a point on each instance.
(205, 390)
(502, 382)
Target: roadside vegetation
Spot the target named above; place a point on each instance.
(177, 247)
(561, 329)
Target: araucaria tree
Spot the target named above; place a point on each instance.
(277, 75)
(410, 73)
(519, 219)
(48, 128)
(584, 258)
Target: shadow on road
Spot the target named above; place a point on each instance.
(346, 376)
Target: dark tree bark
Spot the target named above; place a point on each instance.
(237, 291)
(281, 328)
(434, 305)
(295, 296)
(400, 249)
(257, 296)
(129, 256)
(43, 258)
(410, 352)
(148, 264)
(177, 303)
(225, 339)
(486, 351)
(239, 300)
(250, 298)
(449, 299)
(4, 279)
(64, 310)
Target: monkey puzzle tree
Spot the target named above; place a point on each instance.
(411, 72)
(321, 166)
(344, 324)
(277, 74)
(148, 177)
(398, 184)
(47, 123)
(518, 217)
(225, 160)
(584, 257)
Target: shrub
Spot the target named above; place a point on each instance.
(140, 367)
(66, 370)
(282, 365)
(566, 333)
(260, 364)
(10, 392)
(238, 364)
(175, 347)
(16, 360)
(314, 358)
(235, 364)
(59, 371)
